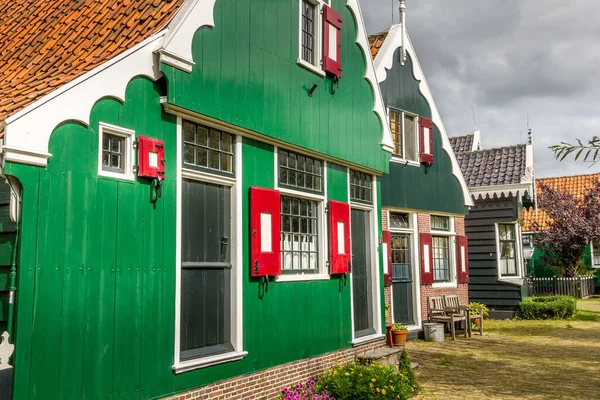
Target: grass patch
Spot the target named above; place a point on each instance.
(552, 359)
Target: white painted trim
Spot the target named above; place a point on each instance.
(176, 47)
(403, 161)
(237, 259)
(365, 339)
(384, 61)
(501, 190)
(30, 129)
(518, 254)
(25, 156)
(129, 136)
(204, 362)
(310, 67)
(440, 285)
(302, 277)
(417, 269)
(379, 107)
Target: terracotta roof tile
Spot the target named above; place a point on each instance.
(48, 43)
(576, 185)
(376, 41)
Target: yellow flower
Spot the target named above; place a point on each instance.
(378, 390)
(370, 384)
(391, 387)
(383, 391)
(360, 375)
(347, 374)
(373, 380)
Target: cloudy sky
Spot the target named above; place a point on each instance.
(508, 59)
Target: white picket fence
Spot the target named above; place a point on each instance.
(581, 287)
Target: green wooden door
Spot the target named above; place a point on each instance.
(402, 280)
(362, 291)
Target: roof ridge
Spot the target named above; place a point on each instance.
(569, 176)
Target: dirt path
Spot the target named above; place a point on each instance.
(516, 359)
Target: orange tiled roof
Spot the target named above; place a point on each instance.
(376, 41)
(577, 185)
(45, 44)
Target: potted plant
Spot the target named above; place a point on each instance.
(399, 333)
(476, 309)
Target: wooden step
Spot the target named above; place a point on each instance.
(382, 356)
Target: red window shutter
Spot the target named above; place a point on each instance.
(332, 48)
(426, 140)
(462, 259)
(339, 231)
(265, 232)
(387, 240)
(426, 241)
(151, 158)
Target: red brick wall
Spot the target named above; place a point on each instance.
(385, 217)
(387, 293)
(267, 384)
(459, 225)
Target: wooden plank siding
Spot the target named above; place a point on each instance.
(484, 286)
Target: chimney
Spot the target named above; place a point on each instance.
(403, 27)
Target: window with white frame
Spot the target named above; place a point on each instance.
(115, 154)
(404, 134)
(207, 148)
(595, 246)
(442, 241)
(361, 189)
(300, 181)
(311, 33)
(507, 241)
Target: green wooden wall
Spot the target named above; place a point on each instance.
(419, 188)
(246, 74)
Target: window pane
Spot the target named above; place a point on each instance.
(226, 144)
(410, 137)
(188, 154)
(202, 159)
(227, 162)
(440, 223)
(202, 135)
(299, 235)
(105, 143)
(189, 132)
(213, 159)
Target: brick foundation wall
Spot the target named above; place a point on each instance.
(267, 384)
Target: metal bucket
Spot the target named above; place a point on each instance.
(434, 332)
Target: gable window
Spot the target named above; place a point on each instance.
(404, 134)
(507, 238)
(360, 187)
(311, 35)
(207, 148)
(309, 28)
(115, 155)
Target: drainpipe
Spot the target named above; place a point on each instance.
(403, 27)
(12, 276)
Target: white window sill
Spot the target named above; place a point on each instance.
(400, 160)
(208, 361)
(302, 277)
(444, 285)
(116, 175)
(513, 280)
(311, 67)
(367, 339)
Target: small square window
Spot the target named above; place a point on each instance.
(360, 187)
(440, 223)
(115, 155)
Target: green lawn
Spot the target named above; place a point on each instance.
(516, 359)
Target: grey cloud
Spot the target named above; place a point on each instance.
(508, 59)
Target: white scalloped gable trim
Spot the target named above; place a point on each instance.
(384, 62)
(363, 42)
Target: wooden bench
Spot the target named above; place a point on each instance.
(439, 311)
(452, 300)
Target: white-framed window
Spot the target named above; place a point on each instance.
(361, 187)
(115, 151)
(301, 182)
(509, 250)
(443, 244)
(405, 134)
(208, 322)
(311, 35)
(595, 251)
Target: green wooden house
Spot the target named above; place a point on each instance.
(197, 191)
(424, 196)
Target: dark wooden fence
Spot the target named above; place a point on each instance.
(580, 287)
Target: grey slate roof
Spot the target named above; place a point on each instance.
(500, 166)
(461, 143)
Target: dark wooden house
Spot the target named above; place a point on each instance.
(501, 182)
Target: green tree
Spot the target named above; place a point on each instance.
(589, 151)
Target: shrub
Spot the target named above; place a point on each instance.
(373, 381)
(548, 307)
(303, 391)
(475, 309)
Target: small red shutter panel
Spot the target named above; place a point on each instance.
(426, 241)
(339, 231)
(332, 48)
(387, 240)
(426, 140)
(462, 259)
(265, 231)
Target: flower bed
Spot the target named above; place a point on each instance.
(357, 382)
